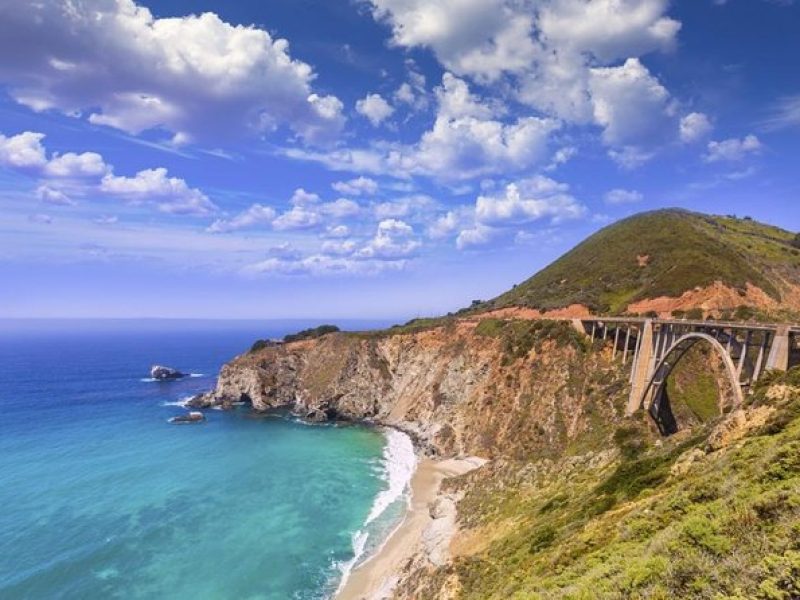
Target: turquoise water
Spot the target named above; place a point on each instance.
(103, 498)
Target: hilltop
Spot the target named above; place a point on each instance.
(665, 261)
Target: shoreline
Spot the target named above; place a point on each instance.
(418, 535)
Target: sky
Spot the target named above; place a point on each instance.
(369, 158)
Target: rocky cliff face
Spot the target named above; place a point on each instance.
(509, 389)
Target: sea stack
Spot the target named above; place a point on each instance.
(162, 373)
(192, 417)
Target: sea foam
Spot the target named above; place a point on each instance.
(397, 468)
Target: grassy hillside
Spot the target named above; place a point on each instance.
(661, 253)
(695, 516)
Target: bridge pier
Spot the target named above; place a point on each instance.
(779, 352)
(642, 367)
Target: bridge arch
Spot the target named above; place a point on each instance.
(656, 385)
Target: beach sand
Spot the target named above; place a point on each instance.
(418, 534)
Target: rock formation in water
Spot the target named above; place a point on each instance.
(162, 373)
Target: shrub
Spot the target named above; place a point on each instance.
(308, 334)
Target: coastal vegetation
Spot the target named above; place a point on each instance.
(655, 254)
(697, 516)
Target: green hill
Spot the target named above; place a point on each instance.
(660, 253)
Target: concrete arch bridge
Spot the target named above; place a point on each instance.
(654, 347)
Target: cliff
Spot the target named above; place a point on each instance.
(488, 388)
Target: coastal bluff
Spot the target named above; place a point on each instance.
(455, 389)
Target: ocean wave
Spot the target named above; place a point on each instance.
(398, 465)
(153, 379)
(181, 403)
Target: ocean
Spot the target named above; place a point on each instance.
(103, 498)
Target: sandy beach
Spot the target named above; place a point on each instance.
(418, 534)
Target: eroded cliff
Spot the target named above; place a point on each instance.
(490, 388)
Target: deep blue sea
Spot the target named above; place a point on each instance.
(101, 497)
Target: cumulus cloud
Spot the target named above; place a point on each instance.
(732, 149)
(465, 142)
(528, 200)
(695, 126)
(298, 217)
(375, 108)
(357, 187)
(341, 208)
(308, 211)
(561, 56)
(65, 176)
(393, 240)
(169, 194)
(197, 76)
(415, 205)
(336, 231)
(477, 235)
(71, 165)
(629, 103)
(23, 151)
(620, 196)
(257, 214)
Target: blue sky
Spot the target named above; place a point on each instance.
(368, 158)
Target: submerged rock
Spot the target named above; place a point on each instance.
(192, 417)
(165, 373)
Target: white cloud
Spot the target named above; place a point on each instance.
(339, 247)
(695, 126)
(357, 187)
(562, 156)
(415, 205)
(477, 37)
(393, 240)
(298, 217)
(561, 56)
(608, 29)
(630, 157)
(71, 165)
(620, 196)
(257, 214)
(23, 151)
(341, 208)
(465, 142)
(451, 222)
(300, 197)
(195, 76)
(478, 235)
(170, 194)
(732, 149)
(629, 103)
(528, 200)
(322, 265)
(337, 231)
(785, 113)
(53, 196)
(375, 108)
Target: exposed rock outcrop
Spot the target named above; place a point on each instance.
(453, 390)
(162, 373)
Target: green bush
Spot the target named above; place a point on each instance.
(307, 334)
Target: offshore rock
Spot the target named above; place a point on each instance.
(192, 417)
(162, 373)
